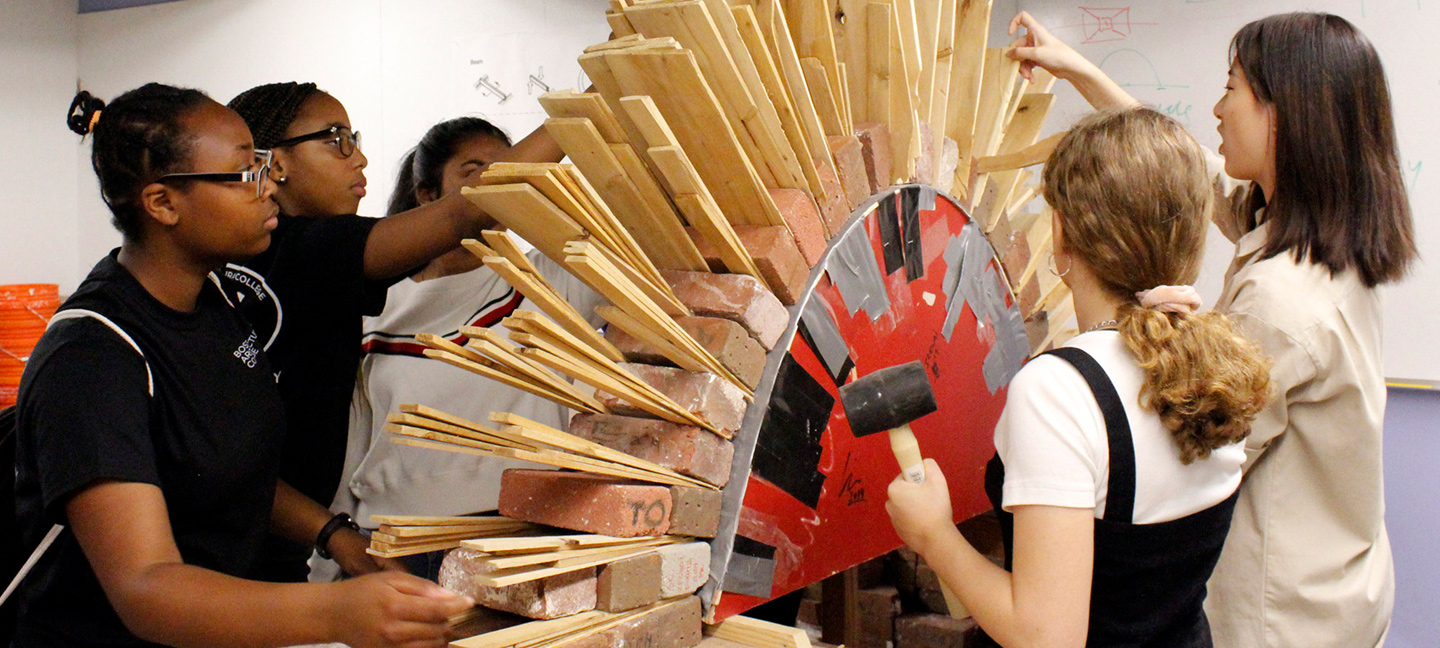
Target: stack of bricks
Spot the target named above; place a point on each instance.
(899, 603)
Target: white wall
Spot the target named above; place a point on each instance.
(39, 164)
(399, 66)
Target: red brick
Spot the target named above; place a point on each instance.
(729, 342)
(878, 607)
(879, 158)
(849, 155)
(707, 395)
(837, 208)
(686, 449)
(935, 631)
(802, 215)
(545, 598)
(669, 624)
(694, 511)
(628, 584)
(683, 568)
(779, 261)
(585, 502)
(925, 165)
(737, 297)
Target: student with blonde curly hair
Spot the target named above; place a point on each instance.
(1119, 454)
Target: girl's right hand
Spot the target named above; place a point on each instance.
(1039, 48)
(387, 609)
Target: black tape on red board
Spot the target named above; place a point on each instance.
(787, 452)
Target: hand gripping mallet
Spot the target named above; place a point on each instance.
(889, 400)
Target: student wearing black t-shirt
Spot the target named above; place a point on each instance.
(325, 270)
(149, 421)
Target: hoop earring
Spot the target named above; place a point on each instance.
(1051, 266)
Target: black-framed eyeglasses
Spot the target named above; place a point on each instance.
(343, 138)
(257, 173)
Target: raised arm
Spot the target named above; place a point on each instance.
(124, 530)
(1039, 48)
(410, 239)
(1044, 602)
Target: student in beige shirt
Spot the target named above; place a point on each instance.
(1323, 222)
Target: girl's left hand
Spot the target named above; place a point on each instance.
(920, 512)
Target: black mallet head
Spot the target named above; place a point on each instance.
(888, 398)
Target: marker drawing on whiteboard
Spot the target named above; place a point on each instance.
(537, 82)
(491, 88)
(1132, 69)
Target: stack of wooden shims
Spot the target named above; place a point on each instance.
(573, 630)
(404, 535)
(521, 559)
(525, 440)
(702, 111)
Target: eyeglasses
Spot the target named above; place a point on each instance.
(346, 140)
(257, 173)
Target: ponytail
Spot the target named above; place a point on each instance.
(404, 198)
(1202, 378)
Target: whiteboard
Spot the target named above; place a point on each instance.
(1172, 54)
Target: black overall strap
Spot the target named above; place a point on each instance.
(1120, 490)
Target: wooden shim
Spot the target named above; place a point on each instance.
(638, 203)
(504, 353)
(661, 294)
(591, 106)
(528, 213)
(488, 371)
(850, 27)
(618, 24)
(774, 87)
(422, 530)
(542, 433)
(655, 339)
(699, 207)
(754, 632)
(419, 437)
(904, 119)
(386, 552)
(557, 308)
(624, 294)
(674, 81)
(972, 31)
(878, 21)
(996, 93)
(665, 409)
(710, 33)
(534, 630)
(1034, 154)
(928, 28)
(444, 520)
(473, 431)
(508, 577)
(772, 22)
(908, 39)
(810, 27)
(556, 558)
(501, 244)
(532, 323)
(944, 57)
(817, 79)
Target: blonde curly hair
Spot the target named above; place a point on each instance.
(1133, 198)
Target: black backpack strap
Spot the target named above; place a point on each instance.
(1120, 491)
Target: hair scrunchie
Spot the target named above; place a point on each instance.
(1170, 299)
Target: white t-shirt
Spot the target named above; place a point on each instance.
(389, 479)
(1051, 437)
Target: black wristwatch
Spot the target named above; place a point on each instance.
(340, 521)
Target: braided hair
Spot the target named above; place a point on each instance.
(269, 109)
(137, 138)
(423, 166)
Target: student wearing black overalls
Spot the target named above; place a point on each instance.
(1117, 456)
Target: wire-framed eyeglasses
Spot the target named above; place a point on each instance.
(346, 140)
(257, 173)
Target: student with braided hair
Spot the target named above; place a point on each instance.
(307, 293)
(1118, 455)
(150, 426)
